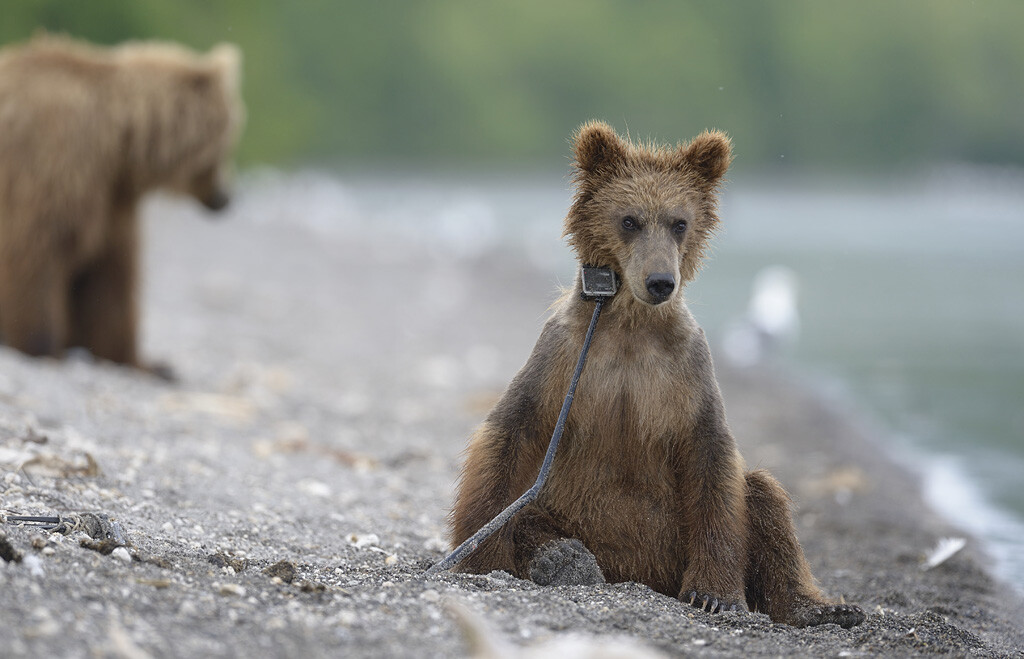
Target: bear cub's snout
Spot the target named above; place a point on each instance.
(660, 285)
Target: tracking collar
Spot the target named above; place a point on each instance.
(598, 282)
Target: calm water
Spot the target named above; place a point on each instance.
(911, 298)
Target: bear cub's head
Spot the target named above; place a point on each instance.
(645, 211)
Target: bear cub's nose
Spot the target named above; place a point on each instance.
(660, 285)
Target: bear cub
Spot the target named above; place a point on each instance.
(648, 484)
(87, 131)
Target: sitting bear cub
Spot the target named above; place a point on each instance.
(648, 484)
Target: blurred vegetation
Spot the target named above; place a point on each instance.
(871, 85)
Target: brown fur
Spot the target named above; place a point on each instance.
(647, 476)
(86, 132)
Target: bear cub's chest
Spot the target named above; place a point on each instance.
(635, 390)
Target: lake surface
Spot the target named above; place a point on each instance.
(911, 298)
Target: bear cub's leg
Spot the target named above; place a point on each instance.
(546, 556)
(564, 562)
(779, 580)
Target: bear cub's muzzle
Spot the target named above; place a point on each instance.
(660, 285)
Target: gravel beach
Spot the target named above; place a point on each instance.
(285, 496)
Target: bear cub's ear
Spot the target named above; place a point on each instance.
(596, 145)
(709, 154)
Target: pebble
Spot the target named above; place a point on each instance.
(436, 544)
(230, 589)
(122, 555)
(314, 488)
(34, 565)
(363, 539)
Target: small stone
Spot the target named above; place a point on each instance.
(314, 488)
(436, 544)
(361, 540)
(223, 560)
(105, 546)
(391, 559)
(121, 554)
(282, 570)
(7, 550)
(49, 551)
(230, 589)
(430, 596)
(34, 565)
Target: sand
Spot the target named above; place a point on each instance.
(285, 496)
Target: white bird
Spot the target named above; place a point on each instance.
(772, 319)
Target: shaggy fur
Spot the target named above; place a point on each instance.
(648, 477)
(86, 131)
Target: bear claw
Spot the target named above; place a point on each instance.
(709, 603)
(565, 563)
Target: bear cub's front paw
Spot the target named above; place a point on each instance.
(564, 563)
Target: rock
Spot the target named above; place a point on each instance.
(361, 540)
(7, 551)
(230, 589)
(282, 570)
(122, 555)
(220, 559)
(34, 564)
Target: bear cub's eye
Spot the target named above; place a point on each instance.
(679, 227)
(629, 223)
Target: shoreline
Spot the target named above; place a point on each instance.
(942, 480)
(318, 424)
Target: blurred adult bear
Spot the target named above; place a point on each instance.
(85, 132)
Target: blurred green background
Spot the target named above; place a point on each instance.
(871, 85)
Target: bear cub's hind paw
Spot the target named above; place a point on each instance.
(564, 563)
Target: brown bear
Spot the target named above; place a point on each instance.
(86, 131)
(648, 484)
